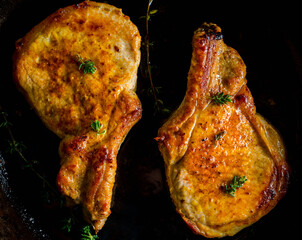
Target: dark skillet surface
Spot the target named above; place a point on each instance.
(268, 41)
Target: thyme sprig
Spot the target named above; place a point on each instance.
(147, 46)
(88, 66)
(73, 220)
(86, 234)
(221, 98)
(237, 182)
(16, 147)
(158, 103)
(49, 191)
(67, 224)
(5, 123)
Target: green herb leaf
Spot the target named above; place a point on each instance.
(86, 234)
(159, 107)
(149, 14)
(219, 135)
(151, 44)
(5, 123)
(67, 224)
(15, 146)
(96, 126)
(237, 182)
(221, 98)
(88, 66)
(152, 12)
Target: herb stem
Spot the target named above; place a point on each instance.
(8, 129)
(14, 142)
(147, 45)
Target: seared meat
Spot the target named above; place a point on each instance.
(48, 69)
(206, 144)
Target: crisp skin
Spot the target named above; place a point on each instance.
(46, 69)
(198, 167)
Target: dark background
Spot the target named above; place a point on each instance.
(268, 40)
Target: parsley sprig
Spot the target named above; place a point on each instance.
(88, 66)
(221, 98)
(237, 182)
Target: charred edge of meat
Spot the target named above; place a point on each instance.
(81, 5)
(240, 98)
(209, 29)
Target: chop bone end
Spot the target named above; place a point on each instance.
(209, 29)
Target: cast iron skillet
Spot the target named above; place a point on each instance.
(267, 40)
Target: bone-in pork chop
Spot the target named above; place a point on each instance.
(78, 70)
(225, 164)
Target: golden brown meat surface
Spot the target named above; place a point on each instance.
(47, 69)
(205, 145)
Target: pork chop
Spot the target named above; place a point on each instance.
(78, 69)
(216, 137)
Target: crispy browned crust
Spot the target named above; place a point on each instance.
(46, 70)
(198, 167)
(88, 167)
